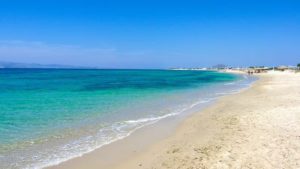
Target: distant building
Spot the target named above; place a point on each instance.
(259, 69)
(282, 68)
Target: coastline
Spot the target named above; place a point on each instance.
(247, 129)
(142, 138)
(122, 113)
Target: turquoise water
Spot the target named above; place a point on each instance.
(49, 115)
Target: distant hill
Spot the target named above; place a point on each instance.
(39, 66)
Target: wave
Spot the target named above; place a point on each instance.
(112, 133)
(104, 136)
(231, 83)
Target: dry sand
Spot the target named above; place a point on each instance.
(257, 128)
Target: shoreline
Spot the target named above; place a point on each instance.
(257, 128)
(137, 142)
(187, 93)
(238, 130)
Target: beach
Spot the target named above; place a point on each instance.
(256, 128)
(150, 85)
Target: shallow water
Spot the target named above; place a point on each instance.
(49, 115)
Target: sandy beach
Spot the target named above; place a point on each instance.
(256, 128)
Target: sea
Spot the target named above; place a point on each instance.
(48, 116)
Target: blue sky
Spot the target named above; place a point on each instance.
(150, 34)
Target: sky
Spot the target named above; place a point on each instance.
(150, 33)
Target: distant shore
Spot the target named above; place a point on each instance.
(257, 128)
